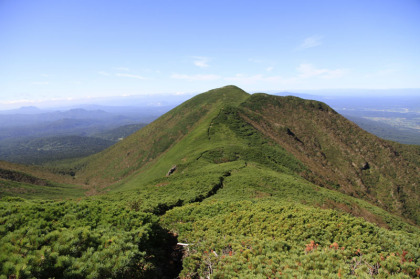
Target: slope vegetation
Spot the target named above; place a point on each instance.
(338, 153)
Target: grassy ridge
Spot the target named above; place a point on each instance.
(146, 146)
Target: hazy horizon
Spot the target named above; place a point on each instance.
(169, 99)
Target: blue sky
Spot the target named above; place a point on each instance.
(80, 48)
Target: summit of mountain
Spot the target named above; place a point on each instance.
(144, 147)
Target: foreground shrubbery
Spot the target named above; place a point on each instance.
(86, 239)
(268, 239)
(254, 226)
(262, 237)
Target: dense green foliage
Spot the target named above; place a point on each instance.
(85, 239)
(267, 239)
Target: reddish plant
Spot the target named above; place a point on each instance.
(403, 259)
(311, 246)
(334, 245)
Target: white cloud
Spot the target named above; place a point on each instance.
(305, 71)
(257, 61)
(181, 93)
(103, 73)
(268, 64)
(11, 102)
(310, 42)
(382, 73)
(196, 77)
(148, 70)
(245, 79)
(308, 71)
(201, 62)
(123, 69)
(40, 83)
(130, 76)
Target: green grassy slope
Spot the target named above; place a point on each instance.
(250, 195)
(145, 147)
(35, 182)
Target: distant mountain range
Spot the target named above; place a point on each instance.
(74, 133)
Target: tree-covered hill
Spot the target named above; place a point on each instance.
(339, 154)
(251, 186)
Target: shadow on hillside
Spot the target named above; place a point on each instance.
(164, 249)
(166, 255)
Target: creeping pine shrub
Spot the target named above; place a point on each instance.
(86, 239)
(277, 239)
